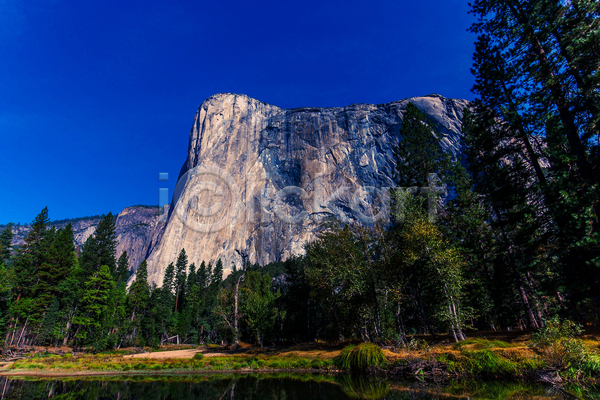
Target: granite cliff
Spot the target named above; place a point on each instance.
(259, 179)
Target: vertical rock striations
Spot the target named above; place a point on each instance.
(259, 179)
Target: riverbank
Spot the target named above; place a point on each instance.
(474, 358)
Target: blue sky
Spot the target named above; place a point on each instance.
(97, 98)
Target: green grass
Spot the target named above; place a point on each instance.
(489, 363)
(482, 344)
(360, 357)
(115, 362)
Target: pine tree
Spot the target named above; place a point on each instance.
(6, 238)
(94, 306)
(6, 285)
(122, 272)
(32, 254)
(536, 74)
(163, 309)
(29, 306)
(100, 249)
(137, 301)
(203, 276)
(217, 274)
(180, 278)
(419, 153)
(139, 291)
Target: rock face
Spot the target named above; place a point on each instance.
(138, 231)
(259, 179)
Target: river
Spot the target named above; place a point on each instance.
(286, 386)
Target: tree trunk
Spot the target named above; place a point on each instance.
(400, 323)
(519, 281)
(236, 340)
(22, 331)
(14, 328)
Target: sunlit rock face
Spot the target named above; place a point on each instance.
(258, 179)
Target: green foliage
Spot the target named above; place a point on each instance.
(198, 356)
(487, 363)
(559, 347)
(122, 271)
(419, 153)
(417, 344)
(361, 357)
(343, 272)
(6, 238)
(100, 248)
(258, 304)
(533, 151)
(94, 305)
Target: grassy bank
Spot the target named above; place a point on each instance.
(115, 363)
(477, 357)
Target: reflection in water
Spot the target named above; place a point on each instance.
(268, 386)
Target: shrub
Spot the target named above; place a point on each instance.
(198, 356)
(558, 346)
(361, 357)
(418, 344)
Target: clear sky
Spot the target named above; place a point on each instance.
(97, 98)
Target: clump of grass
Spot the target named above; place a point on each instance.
(198, 356)
(481, 363)
(486, 362)
(361, 357)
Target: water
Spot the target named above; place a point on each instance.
(273, 386)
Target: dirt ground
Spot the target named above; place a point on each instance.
(188, 353)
